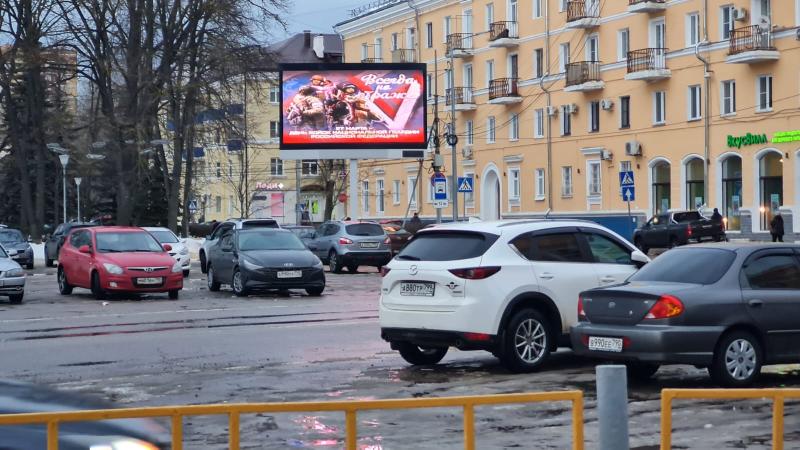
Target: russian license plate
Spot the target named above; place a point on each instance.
(155, 280)
(369, 245)
(605, 344)
(417, 289)
(290, 274)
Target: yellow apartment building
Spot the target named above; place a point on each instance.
(555, 98)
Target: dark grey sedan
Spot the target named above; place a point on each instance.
(731, 308)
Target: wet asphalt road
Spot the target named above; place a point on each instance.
(213, 347)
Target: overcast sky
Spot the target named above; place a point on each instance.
(319, 15)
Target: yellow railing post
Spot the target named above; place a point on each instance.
(577, 422)
(351, 430)
(233, 430)
(666, 419)
(52, 435)
(777, 422)
(177, 432)
(469, 426)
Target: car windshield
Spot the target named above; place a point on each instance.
(265, 240)
(447, 246)
(687, 265)
(165, 236)
(11, 236)
(131, 241)
(364, 229)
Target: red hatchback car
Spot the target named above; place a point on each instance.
(117, 259)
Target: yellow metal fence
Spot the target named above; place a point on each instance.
(778, 397)
(350, 409)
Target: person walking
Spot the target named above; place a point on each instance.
(776, 228)
(415, 224)
(716, 217)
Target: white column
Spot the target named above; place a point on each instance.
(354, 207)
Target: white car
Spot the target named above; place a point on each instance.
(12, 277)
(509, 287)
(179, 249)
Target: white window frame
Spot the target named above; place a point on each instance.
(563, 57)
(513, 128)
(394, 41)
(412, 198)
(594, 178)
(429, 87)
(469, 131)
(567, 189)
(306, 167)
(694, 102)
(621, 111)
(538, 123)
(274, 129)
(593, 112)
(380, 192)
(446, 28)
(364, 51)
(377, 48)
(723, 30)
(539, 186)
(566, 121)
(277, 164)
(537, 9)
(274, 94)
(692, 29)
(653, 32)
(489, 71)
(593, 38)
(489, 15)
(769, 92)
(429, 34)
(395, 192)
(491, 132)
(659, 107)
(727, 103)
(514, 184)
(623, 44)
(365, 197)
(538, 63)
(562, 5)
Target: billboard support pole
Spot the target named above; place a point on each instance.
(453, 139)
(436, 154)
(353, 188)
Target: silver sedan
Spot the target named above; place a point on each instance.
(12, 277)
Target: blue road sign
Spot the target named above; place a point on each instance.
(439, 187)
(626, 179)
(465, 184)
(629, 193)
(192, 206)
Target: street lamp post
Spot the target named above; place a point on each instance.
(64, 160)
(78, 183)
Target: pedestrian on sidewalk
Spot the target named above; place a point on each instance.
(776, 228)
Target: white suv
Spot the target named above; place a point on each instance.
(509, 287)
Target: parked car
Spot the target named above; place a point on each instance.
(677, 228)
(13, 239)
(351, 244)
(509, 287)
(263, 259)
(179, 249)
(231, 224)
(19, 398)
(12, 277)
(730, 308)
(53, 244)
(304, 232)
(117, 260)
(398, 237)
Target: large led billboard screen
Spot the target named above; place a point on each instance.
(353, 106)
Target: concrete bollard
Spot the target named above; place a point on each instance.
(612, 407)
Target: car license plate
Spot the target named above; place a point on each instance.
(156, 280)
(369, 245)
(605, 344)
(417, 289)
(290, 274)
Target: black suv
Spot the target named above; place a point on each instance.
(54, 242)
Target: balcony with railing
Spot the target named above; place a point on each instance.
(459, 45)
(583, 13)
(404, 55)
(371, 60)
(504, 91)
(503, 34)
(646, 6)
(583, 76)
(463, 98)
(750, 45)
(648, 64)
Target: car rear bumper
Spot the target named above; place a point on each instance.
(439, 338)
(469, 316)
(126, 283)
(651, 343)
(380, 258)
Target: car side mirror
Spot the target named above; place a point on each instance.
(208, 237)
(639, 259)
(167, 247)
(85, 249)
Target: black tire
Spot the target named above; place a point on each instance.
(97, 291)
(526, 342)
(174, 294)
(29, 266)
(737, 360)
(211, 281)
(48, 262)
(421, 356)
(641, 246)
(185, 274)
(16, 299)
(334, 263)
(315, 291)
(641, 371)
(64, 288)
(352, 268)
(203, 266)
(238, 284)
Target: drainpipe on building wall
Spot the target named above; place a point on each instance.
(549, 124)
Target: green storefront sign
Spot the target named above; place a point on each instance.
(786, 136)
(748, 139)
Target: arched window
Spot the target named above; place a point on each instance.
(771, 186)
(695, 195)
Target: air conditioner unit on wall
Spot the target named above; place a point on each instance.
(740, 14)
(607, 104)
(572, 108)
(466, 151)
(552, 111)
(606, 155)
(633, 148)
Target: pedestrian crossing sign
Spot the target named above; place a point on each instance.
(626, 179)
(465, 184)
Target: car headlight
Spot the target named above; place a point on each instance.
(13, 273)
(184, 251)
(250, 266)
(177, 267)
(113, 268)
(125, 444)
(318, 264)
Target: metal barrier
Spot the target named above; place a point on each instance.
(350, 408)
(777, 395)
